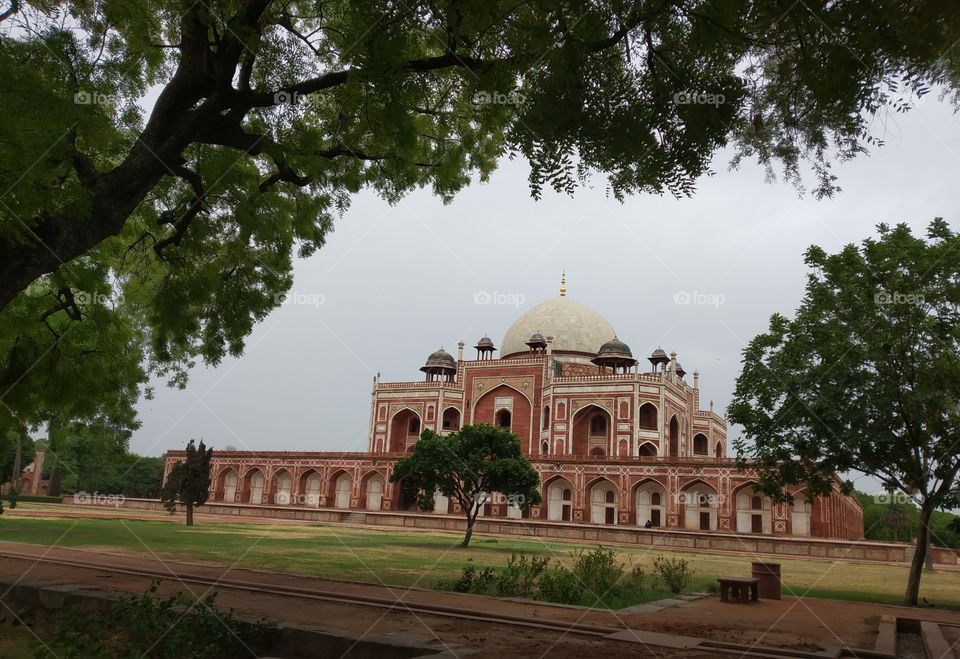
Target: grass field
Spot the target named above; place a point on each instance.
(423, 559)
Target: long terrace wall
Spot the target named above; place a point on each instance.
(831, 549)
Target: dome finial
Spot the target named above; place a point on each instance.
(563, 284)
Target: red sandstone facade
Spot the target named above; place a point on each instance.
(614, 445)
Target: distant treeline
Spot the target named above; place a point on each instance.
(888, 517)
(87, 463)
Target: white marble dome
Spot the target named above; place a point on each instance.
(575, 328)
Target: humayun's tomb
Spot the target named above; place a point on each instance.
(615, 443)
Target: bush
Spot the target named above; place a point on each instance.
(150, 627)
(674, 572)
(560, 585)
(519, 577)
(598, 570)
(596, 578)
(472, 581)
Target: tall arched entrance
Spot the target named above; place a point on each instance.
(592, 428)
(651, 501)
(559, 500)
(603, 502)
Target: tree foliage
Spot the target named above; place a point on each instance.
(477, 460)
(865, 377)
(188, 482)
(135, 241)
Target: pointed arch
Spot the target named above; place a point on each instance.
(339, 489)
(699, 502)
(282, 487)
(754, 510)
(648, 416)
(228, 482)
(310, 488)
(503, 418)
(592, 429)
(558, 492)
(674, 436)
(405, 428)
(502, 385)
(650, 502)
(603, 498)
(647, 450)
(373, 485)
(486, 410)
(801, 513)
(254, 483)
(701, 445)
(451, 419)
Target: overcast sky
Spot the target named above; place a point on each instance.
(394, 283)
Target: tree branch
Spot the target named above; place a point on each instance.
(196, 207)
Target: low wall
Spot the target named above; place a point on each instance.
(859, 550)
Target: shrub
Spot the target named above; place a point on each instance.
(519, 577)
(598, 570)
(150, 627)
(472, 581)
(560, 585)
(596, 578)
(674, 572)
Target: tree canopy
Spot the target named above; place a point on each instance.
(466, 466)
(135, 241)
(865, 377)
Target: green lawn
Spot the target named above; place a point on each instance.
(422, 559)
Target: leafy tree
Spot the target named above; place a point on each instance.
(896, 516)
(188, 482)
(877, 516)
(132, 243)
(140, 476)
(865, 377)
(466, 466)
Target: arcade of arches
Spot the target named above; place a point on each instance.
(572, 491)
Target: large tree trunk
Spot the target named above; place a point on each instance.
(919, 556)
(189, 505)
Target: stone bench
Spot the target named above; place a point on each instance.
(739, 586)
